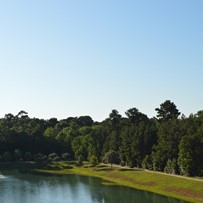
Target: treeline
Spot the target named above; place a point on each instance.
(169, 142)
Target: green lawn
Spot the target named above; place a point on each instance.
(188, 189)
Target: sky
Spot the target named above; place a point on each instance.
(73, 58)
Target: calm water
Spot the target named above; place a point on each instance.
(25, 188)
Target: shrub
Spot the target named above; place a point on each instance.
(65, 156)
(171, 166)
(123, 163)
(111, 157)
(7, 156)
(18, 155)
(52, 155)
(131, 163)
(57, 158)
(39, 157)
(147, 163)
(28, 156)
(93, 161)
(80, 160)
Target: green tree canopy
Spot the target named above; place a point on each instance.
(167, 111)
(111, 157)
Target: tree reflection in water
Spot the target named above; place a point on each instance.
(24, 188)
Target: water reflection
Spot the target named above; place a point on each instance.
(25, 188)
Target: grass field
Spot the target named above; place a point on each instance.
(188, 189)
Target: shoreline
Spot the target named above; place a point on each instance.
(174, 186)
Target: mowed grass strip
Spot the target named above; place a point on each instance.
(173, 186)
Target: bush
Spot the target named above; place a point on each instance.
(40, 157)
(44, 158)
(18, 155)
(56, 158)
(147, 163)
(65, 156)
(131, 163)
(7, 156)
(52, 155)
(80, 160)
(111, 157)
(123, 163)
(28, 156)
(171, 166)
(93, 161)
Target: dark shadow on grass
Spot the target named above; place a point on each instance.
(67, 167)
(56, 167)
(102, 166)
(106, 169)
(129, 169)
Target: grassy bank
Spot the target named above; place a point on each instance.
(188, 189)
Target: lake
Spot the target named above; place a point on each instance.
(17, 187)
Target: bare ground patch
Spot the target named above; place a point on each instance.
(185, 192)
(131, 180)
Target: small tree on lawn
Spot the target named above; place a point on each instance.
(80, 160)
(93, 161)
(111, 157)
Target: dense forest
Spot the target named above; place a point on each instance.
(169, 142)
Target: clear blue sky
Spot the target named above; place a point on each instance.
(72, 58)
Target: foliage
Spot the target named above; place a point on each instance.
(167, 111)
(50, 132)
(28, 156)
(147, 163)
(190, 158)
(111, 157)
(39, 157)
(93, 161)
(52, 155)
(65, 156)
(80, 160)
(166, 143)
(7, 156)
(169, 135)
(57, 158)
(171, 166)
(17, 154)
(80, 146)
